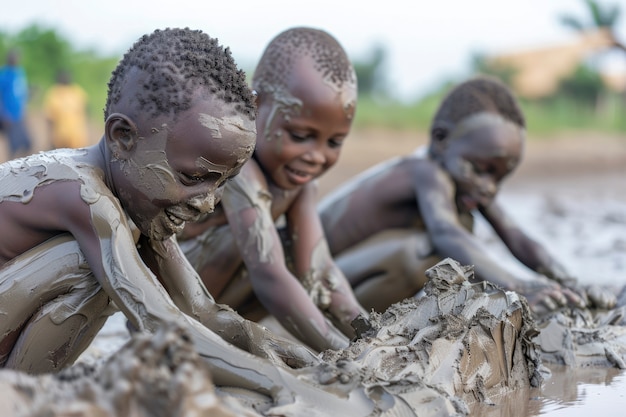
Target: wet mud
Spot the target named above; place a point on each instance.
(458, 344)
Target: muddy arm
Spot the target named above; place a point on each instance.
(527, 250)
(323, 280)
(247, 205)
(436, 199)
(192, 297)
(144, 301)
(536, 257)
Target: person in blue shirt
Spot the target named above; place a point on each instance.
(13, 101)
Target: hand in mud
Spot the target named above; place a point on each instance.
(544, 297)
(284, 351)
(344, 372)
(601, 297)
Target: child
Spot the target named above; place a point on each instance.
(87, 230)
(65, 108)
(389, 224)
(306, 101)
(14, 97)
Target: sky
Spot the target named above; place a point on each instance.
(427, 42)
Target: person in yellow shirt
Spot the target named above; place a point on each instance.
(65, 108)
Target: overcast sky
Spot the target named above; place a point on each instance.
(427, 41)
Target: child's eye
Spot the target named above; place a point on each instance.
(296, 137)
(190, 179)
(335, 143)
(488, 169)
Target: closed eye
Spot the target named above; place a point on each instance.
(335, 143)
(297, 137)
(193, 179)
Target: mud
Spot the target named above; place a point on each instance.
(152, 375)
(458, 344)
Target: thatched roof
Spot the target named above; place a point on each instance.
(537, 72)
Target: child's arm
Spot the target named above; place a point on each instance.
(321, 277)
(535, 256)
(105, 237)
(189, 293)
(436, 199)
(528, 251)
(247, 204)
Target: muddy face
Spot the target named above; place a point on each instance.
(176, 169)
(302, 128)
(481, 151)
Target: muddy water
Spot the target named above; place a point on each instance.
(572, 393)
(583, 222)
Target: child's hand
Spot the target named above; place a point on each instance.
(283, 351)
(546, 297)
(600, 297)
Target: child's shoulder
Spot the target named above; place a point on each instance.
(21, 176)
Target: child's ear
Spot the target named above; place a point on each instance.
(439, 134)
(121, 134)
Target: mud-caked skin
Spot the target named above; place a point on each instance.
(389, 224)
(88, 231)
(306, 101)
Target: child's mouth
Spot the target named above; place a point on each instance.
(297, 176)
(175, 223)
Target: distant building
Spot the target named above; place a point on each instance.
(537, 72)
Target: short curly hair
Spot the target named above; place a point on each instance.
(479, 94)
(280, 55)
(178, 62)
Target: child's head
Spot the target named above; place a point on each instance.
(477, 135)
(307, 92)
(179, 122)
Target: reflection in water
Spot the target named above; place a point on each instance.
(567, 392)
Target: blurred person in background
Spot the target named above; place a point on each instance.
(13, 101)
(65, 108)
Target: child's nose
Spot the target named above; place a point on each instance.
(315, 156)
(205, 203)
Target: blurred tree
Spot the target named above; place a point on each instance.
(601, 17)
(370, 74)
(44, 53)
(584, 86)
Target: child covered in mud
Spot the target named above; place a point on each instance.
(307, 92)
(389, 224)
(88, 231)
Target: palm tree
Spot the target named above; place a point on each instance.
(602, 17)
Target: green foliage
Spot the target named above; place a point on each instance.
(584, 86)
(600, 16)
(564, 114)
(544, 117)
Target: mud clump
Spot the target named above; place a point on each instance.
(582, 338)
(469, 341)
(152, 375)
